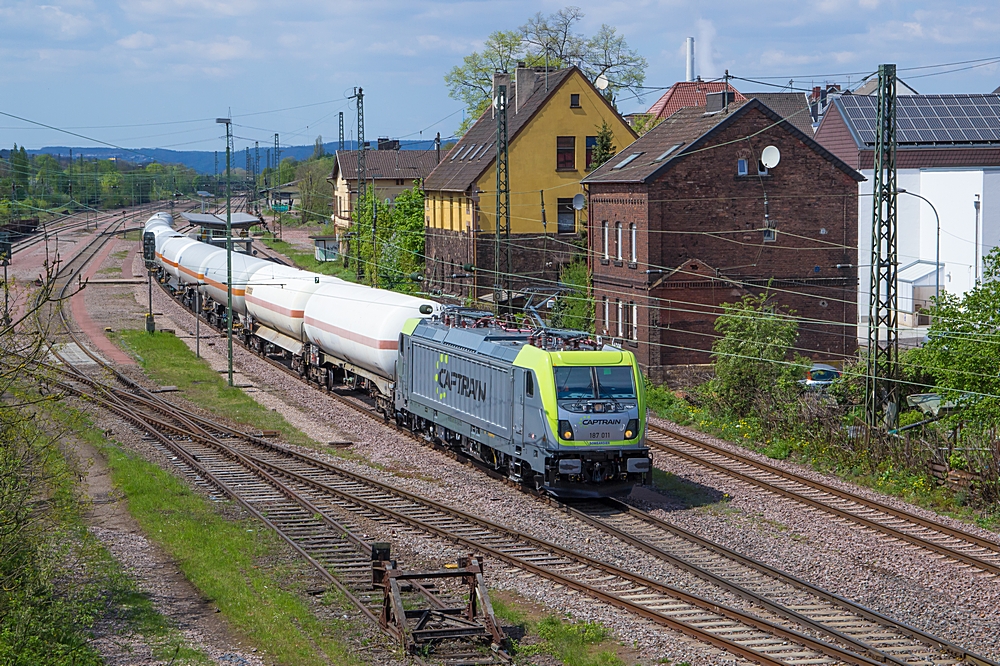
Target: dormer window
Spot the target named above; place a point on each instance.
(574, 101)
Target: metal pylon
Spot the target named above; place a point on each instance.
(881, 386)
(501, 278)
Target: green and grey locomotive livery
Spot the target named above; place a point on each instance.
(552, 409)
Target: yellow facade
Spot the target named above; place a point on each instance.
(532, 166)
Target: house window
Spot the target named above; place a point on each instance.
(621, 317)
(565, 153)
(574, 101)
(761, 169)
(606, 324)
(591, 144)
(635, 321)
(618, 241)
(565, 216)
(628, 327)
(742, 167)
(633, 245)
(770, 232)
(400, 181)
(604, 234)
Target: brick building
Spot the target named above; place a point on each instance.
(552, 123)
(687, 218)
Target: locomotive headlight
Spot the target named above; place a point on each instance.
(565, 430)
(632, 429)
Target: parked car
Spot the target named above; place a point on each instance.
(819, 377)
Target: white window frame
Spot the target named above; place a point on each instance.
(635, 321)
(742, 167)
(604, 229)
(633, 233)
(621, 314)
(607, 315)
(618, 241)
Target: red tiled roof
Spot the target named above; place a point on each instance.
(689, 93)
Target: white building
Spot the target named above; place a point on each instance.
(949, 154)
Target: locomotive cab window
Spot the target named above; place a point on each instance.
(574, 383)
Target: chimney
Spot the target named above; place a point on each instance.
(690, 59)
(500, 79)
(525, 80)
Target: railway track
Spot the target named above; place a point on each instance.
(342, 558)
(928, 534)
(796, 602)
(792, 621)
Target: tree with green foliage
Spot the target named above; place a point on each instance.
(574, 308)
(605, 148)
(318, 149)
(400, 238)
(553, 39)
(314, 189)
(754, 374)
(472, 82)
(961, 358)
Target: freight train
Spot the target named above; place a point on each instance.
(552, 409)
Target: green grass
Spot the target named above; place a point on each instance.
(572, 643)
(232, 563)
(69, 584)
(168, 361)
(306, 260)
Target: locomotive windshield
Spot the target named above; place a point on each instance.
(576, 382)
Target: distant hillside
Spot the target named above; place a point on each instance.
(202, 161)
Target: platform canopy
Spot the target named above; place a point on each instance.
(239, 220)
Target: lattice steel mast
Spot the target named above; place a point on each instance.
(881, 387)
(340, 146)
(361, 175)
(501, 276)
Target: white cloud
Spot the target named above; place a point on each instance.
(137, 40)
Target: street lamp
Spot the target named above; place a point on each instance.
(229, 248)
(937, 250)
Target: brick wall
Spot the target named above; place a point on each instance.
(536, 260)
(700, 244)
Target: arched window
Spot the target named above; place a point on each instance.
(618, 241)
(604, 235)
(633, 243)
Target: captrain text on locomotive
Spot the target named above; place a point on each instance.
(553, 409)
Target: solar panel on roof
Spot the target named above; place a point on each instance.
(948, 119)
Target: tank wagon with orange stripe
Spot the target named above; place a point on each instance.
(552, 409)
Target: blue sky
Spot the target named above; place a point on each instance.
(127, 73)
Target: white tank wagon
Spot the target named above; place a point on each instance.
(360, 326)
(215, 277)
(276, 298)
(170, 254)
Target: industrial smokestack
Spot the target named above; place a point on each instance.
(690, 59)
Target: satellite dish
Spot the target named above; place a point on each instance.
(770, 157)
(602, 82)
(578, 202)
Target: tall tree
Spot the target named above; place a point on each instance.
(554, 38)
(318, 149)
(472, 82)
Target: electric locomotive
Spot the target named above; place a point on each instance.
(551, 409)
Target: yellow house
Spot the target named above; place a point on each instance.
(552, 123)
